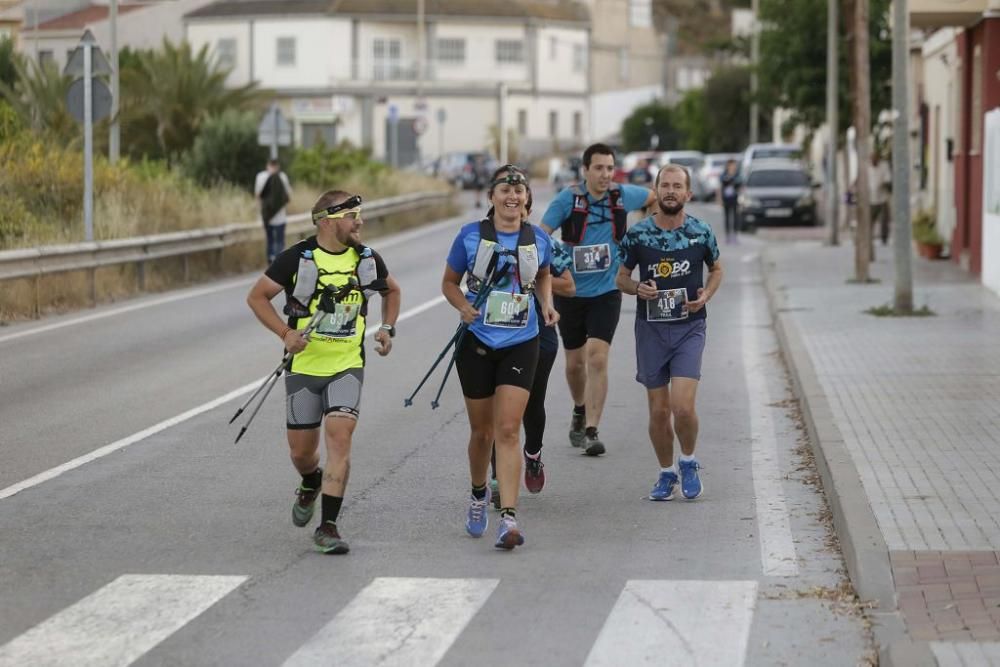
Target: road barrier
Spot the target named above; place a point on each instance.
(47, 260)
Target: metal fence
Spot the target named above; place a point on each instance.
(47, 260)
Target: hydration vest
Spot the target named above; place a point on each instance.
(489, 252)
(575, 226)
(307, 286)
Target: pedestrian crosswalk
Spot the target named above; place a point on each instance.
(393, 621)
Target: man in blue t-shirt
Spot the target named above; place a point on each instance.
(592, 217)
(671, 250)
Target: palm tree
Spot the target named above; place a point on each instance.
(168, 94)
(38, 95)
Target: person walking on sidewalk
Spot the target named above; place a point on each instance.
(729, 192)
(548, 349)
(324, 378)
(671, 250)
(497, 356)
(273, 192)
(592, 218)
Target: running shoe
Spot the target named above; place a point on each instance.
(477, 520)
(495, 493)
(305, 503)
(592, 445)
(508, 534)
(577, 426)
(690, 484)
(534, 474)
(327, 539)
(664, 487)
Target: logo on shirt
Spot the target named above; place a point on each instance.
(667, 267)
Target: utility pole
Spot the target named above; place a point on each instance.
(754, 63)
(862, 128)
(115, 135)
(832, 122)
(902, 252)
(502, 122)
(420, 50)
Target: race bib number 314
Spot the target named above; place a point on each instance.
(591, 258)
(668, 306)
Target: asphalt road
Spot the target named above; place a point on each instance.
(160, 542)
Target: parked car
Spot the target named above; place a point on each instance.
(569, 173)
(625, 168)
(693, 161)
(779, 192)
(769, 152)
(715, 164)
(465, 170)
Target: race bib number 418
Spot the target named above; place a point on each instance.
(668, 306)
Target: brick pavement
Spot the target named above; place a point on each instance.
(916, 402)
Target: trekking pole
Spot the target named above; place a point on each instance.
(286, 359)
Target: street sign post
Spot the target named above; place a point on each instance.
(393, 135)
(88, 100)
(274, 130)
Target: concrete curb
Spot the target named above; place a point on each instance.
(861, 540)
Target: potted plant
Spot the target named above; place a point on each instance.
(925, 235)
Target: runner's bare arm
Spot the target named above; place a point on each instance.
(451, 288)
(708, 291)
(543, 292)
(563, 284)
(259, 300)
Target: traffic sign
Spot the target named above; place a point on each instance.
(393, 113)
(274, 129)
(101, 99)
(98, 64)
(442, 115)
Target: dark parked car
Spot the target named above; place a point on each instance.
(777, 193)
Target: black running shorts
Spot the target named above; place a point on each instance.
(583, 317)
(481, 369)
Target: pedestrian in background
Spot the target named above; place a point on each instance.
(879, 187)
(273, 191)
(728, 194)
(671, 250)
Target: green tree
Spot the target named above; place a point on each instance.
(168, 94)
(8, 56)
(692, 121)
(645, 122)
(38, 96)
(793, 60)
(226, 150)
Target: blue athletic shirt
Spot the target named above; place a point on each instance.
(462, 258)
(562, 261)
(600, 229)
(674, 258)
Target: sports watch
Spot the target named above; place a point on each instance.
(389, 329)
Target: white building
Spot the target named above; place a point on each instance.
(342, 70)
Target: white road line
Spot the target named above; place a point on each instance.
(388, 242)
(677, 623)
(777, 548)
(119, 623)
(101, 452)
(397, 621)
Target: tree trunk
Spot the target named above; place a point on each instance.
(862, 126)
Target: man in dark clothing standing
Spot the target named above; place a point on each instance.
(273, 192)
(729, 192)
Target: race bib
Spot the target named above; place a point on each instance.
(668, 306)
(341, 323)
(729, 191)
(504, 309)
(591, 258)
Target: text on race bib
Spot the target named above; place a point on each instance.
(504, 309)
(669, 305)
(591, 258)
(341, 323)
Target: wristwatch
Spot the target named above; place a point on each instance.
(389, 329)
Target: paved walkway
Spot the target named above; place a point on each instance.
(906, 414)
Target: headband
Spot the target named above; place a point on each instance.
(351, 204)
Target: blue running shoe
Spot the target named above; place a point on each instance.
(690, 484)
(664, 487)
(477, 520)
(508, 534)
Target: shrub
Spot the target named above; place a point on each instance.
(323, 167)
(226, 151)
(925, 229)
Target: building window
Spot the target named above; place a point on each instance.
(286, 51)
(225, 53)
(553, 124)
(623, 63)
(386, 59)
(451, 51)
(45, 56)
(510, 51)
(577, 124)
(522, 122)
(579, 58)
(640, 13)
(976, 102)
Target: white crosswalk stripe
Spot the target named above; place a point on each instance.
(397, 621)
(677, 623)
(118, 623)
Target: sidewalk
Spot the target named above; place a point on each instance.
(905, 417)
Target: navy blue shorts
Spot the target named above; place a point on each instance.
(664, 351)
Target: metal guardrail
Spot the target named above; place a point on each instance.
(44, 260)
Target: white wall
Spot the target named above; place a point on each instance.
(480, 53)
(558, 73)
(210, 32)
(609, 110)
(318, 42)
(145, 28)
(991, 201)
